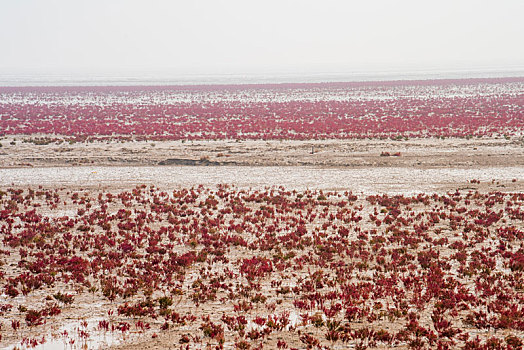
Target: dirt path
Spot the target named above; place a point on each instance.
(419, 153)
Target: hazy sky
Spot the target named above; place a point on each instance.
(241, 36)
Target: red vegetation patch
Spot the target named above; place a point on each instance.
(274, 267)
(445, 108)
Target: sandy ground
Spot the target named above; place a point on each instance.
(419, 153)
(365, 180)
(424, 165)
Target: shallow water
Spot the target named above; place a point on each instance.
(357, 180)
(69, 337)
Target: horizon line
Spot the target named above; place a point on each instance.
(269, 85)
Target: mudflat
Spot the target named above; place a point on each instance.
(418, 153)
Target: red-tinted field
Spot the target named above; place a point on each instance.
(273, 268)
(133, 266)
(450, 108)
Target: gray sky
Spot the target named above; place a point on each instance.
(242, 36)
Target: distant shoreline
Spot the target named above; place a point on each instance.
(274, 85)
(8, 79)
